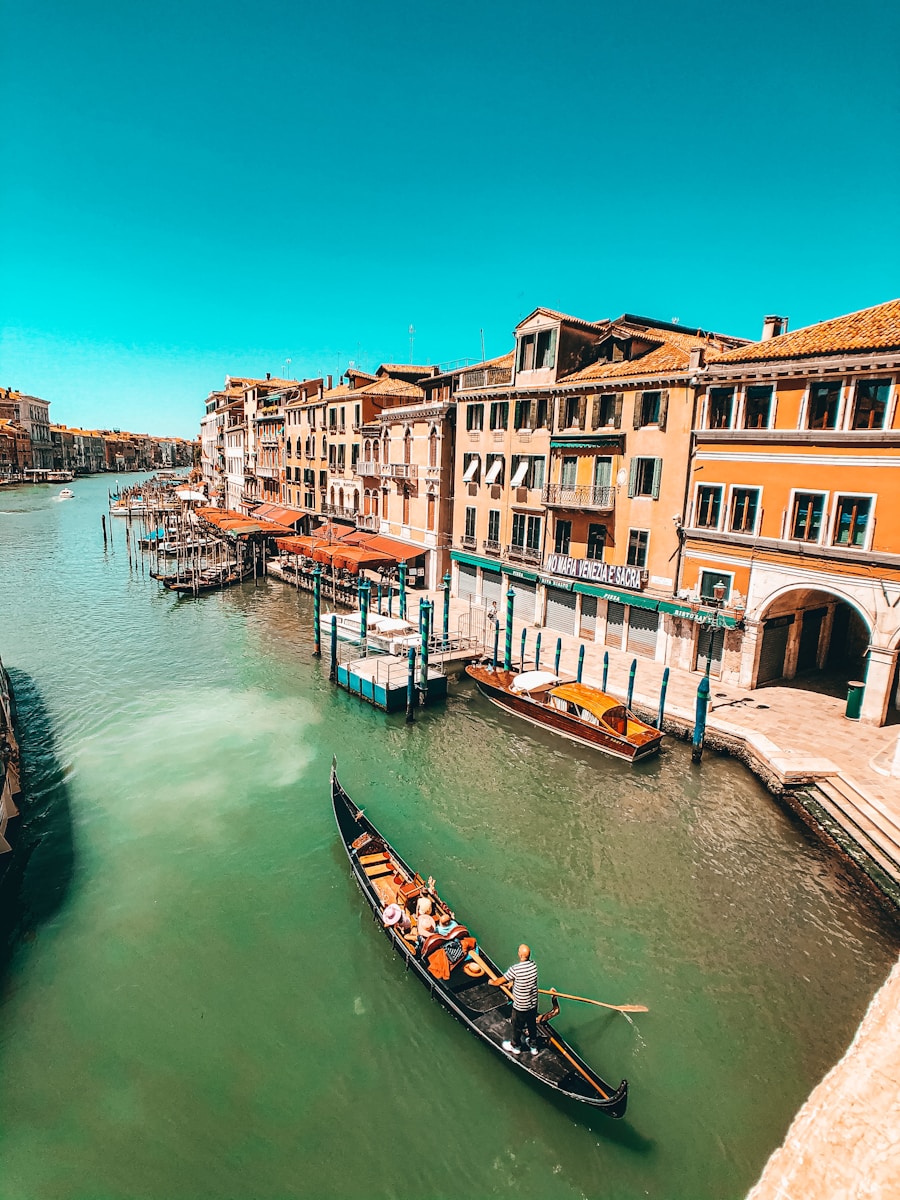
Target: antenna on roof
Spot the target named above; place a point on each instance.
(412, 338)
(481, 331)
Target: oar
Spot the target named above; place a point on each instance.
(626, 1008)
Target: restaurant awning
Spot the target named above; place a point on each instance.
(279, 513)
(398, 551)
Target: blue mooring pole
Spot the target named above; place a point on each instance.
(557, 656)
(332, 674)
(605, 669)
(402, 609)
(507, 637)
(522, 652)
(496, 645)
(425, 623)
(379, 598)
(411, 685)
(364, 590)
(537, 651)
(580, 663)
(662, 698)
(446, 582)
(631, 674)
(317, 611)
(390, 600)
(700, 719)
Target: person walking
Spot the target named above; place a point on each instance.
(522, 976)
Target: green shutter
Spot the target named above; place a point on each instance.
(637, 410)
(632, 476)
(663, 407)
(618, 410)
(657, 474)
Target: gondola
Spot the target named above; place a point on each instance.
(382, 876)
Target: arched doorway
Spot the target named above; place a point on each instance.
(812, 639)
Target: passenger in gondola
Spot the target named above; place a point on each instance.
(396, 915)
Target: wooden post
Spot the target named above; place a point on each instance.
(580, 663)
(662, 698)
(411, 685)
(631, 673)
(332, 675)
(700, 720)
(605, 669)
(103, 523)
(364, 589)
(317, 609)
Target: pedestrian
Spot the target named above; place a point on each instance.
(523, 977)
(492, 617)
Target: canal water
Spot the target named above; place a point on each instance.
(196, 1004)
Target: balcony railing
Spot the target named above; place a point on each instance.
(491, 547)
(525, 554)
(485, 377)
(399, 470)
(366, 466)
(556, 495)
(468, 542)
(368, 521)
(339, 510)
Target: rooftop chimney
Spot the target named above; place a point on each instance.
(330, 377)
(268, 374)
(773, 327)
(697, 359)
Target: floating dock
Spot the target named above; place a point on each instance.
(382, 680)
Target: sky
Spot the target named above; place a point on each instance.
(194, 190)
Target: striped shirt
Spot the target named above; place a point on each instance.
(524, 976)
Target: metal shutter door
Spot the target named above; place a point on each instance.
(490, 587)
(560, 611)
(466, 580)
(713, 639)
(643, 625)
(615, 624)
(588, 616)
(774, 646)
(526, 597)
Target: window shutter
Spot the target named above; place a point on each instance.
(595, 413)
(663, 407)
(657, 473)
(637, 409)
(632, 476)
(582, 412)
(618, 410)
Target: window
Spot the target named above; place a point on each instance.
(758, 407)
(343, 419)
(354, 455)
(571, 413)
(340, 457)
(332, 419)
(851, 520)
(526, 532)
(527, 471)
(323, 480)
(568, 471)
(709, 506)
(563, 537)
(744, 507)
(638, 541)
(356, 415)
(870, 406)
(475, 416)
(494, 472)
(433, 448)
(824, 399)
(471, 466)
(710, 580)
(602, 472)
(520, 472)
(288, 448)
(644, 477)
(494, 525)
(649, 407)
(470, 522)
(499, 414)
(541, 413)
(522, 414)
(721, 405)
(806, 522)
(607, 411)
(537, 351)
(596, 541)
(405, 507)
(429, 512)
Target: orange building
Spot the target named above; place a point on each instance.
(793, 507)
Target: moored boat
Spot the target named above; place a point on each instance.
(576, 710)
(457, 977)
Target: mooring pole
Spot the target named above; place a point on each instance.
(522, 651)
(402, 610)
(557, 656)
(662, 698)
(317, 610)
(700, 719)
(103, 523)
(446, 582)
(411, 685)
(364, 589)
(537, 651)
(508, 635)
(332, 674)
(605, 669)
(390, 599)
(496, 646)
(580, 662)
(425, 629)
(631, 674)
(379, 597)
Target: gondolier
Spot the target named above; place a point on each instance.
(523, 978)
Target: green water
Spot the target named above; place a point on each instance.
(198, 1006)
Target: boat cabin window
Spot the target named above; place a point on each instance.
(616, 719)
(559, 703)
(587, 715)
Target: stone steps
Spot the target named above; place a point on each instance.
(865, 819)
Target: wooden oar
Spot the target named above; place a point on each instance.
(626, 1008)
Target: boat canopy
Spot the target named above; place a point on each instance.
(530, 680)
(588, 697)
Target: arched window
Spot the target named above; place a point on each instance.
(376, 451)
(367, 451)
(341, 497)
(332, 493)
(288, 447)
(433, 448)
(405, 506)
(375, 503)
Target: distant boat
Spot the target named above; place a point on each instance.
(66, 494)
(576, 710)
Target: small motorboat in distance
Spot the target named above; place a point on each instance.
(455, 974)
(66, 494)
(576, 710)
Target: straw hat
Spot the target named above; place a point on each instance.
(392, 914)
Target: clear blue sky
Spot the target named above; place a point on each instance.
(192, 190)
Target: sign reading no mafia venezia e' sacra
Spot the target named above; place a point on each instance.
(595, 571)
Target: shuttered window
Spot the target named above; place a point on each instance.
(615, 624)
(644, 477)
(588, 616)
(490, 586)
(467, 580)
(526, 596)
(560, 611)
(710, 644)
(643, 626)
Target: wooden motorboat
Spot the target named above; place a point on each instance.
(576, 710)
(463, 987)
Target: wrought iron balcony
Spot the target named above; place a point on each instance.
(339, 510)
(601, 499)
(399, 470)
(491, 547)
(525, 554)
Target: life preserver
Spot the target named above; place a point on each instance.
(473, 969)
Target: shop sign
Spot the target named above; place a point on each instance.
(596, 572)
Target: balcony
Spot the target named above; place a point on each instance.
(366, 466)
(598, 499)
(339, 510)
(486, 377)
(399, 471)
(468, 542)
(492, 547)
(369, 521)
(524, 554)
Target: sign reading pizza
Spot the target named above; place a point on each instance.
(595, 572)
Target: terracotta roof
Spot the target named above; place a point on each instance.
(559, 316)
(386, 386)
(504, 360)
(876, 328)
(671, 354)
(403, 369)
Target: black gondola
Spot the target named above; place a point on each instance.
(484, 1010)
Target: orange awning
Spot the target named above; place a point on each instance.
(398, 551)
(278, 513)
